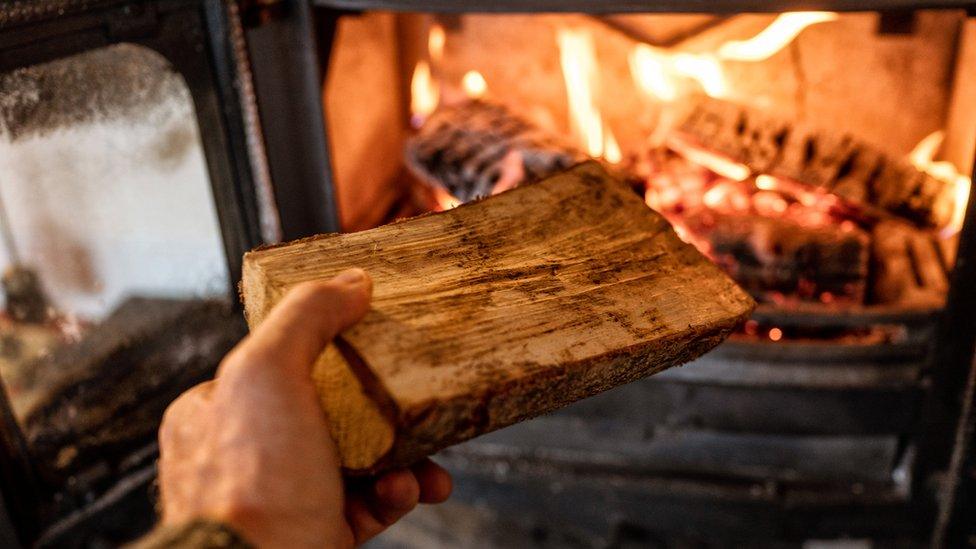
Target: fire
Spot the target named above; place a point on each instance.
(424, 94)
(650, 68)
(705, 69)
(922, 157)
(474, 84)
(719, 164)
(578, 60)
(611, 150)
(577, 56)
(783, 30)
(657, 72)
(435, 42)
(444, 199)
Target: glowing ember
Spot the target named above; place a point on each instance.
(650, 69)
(435, 42)
(922, 157)
(474, 84)
(424, 94)
(766, 182)
(783, 30)
(775, 334)
(719, 164)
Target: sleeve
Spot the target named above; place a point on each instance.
(198, 534)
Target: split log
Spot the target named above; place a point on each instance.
(836, 162)
(469, 148)
(772, 257)
(500, 310)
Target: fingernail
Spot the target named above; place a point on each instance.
(351, 276)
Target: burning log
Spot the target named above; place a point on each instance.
(776, 257)
(475, 148)
(500, 310)
(837, 163)
(910, 266)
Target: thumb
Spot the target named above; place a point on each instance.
(309, 317)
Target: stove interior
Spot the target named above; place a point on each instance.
(818, 157)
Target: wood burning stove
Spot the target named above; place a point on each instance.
(842, 410)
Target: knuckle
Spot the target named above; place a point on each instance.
(244, 362)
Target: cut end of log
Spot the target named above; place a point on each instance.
(363, 434)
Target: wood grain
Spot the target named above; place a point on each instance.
(500, 310)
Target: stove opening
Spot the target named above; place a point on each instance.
(816, 156)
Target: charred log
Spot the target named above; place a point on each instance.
(835, 162)
(772, 258)
(910, 266)
(471, 148)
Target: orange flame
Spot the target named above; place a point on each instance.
(957, 196)
(705, 69)
(577, 56)
(474, 84)
(578, 61)
(443, 199)
(783, 30)
(424, 94)
(436, 39)
(650, 68)
(611, 150)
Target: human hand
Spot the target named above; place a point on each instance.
(251, 449)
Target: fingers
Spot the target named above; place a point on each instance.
(376, 506)
(435, 482)
(373, 508)
(307, 318)
(394, 494)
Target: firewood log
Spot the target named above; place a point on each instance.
(910, 266)
(834, 161)
(468, 148)
(770, 256)
(500, 310)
